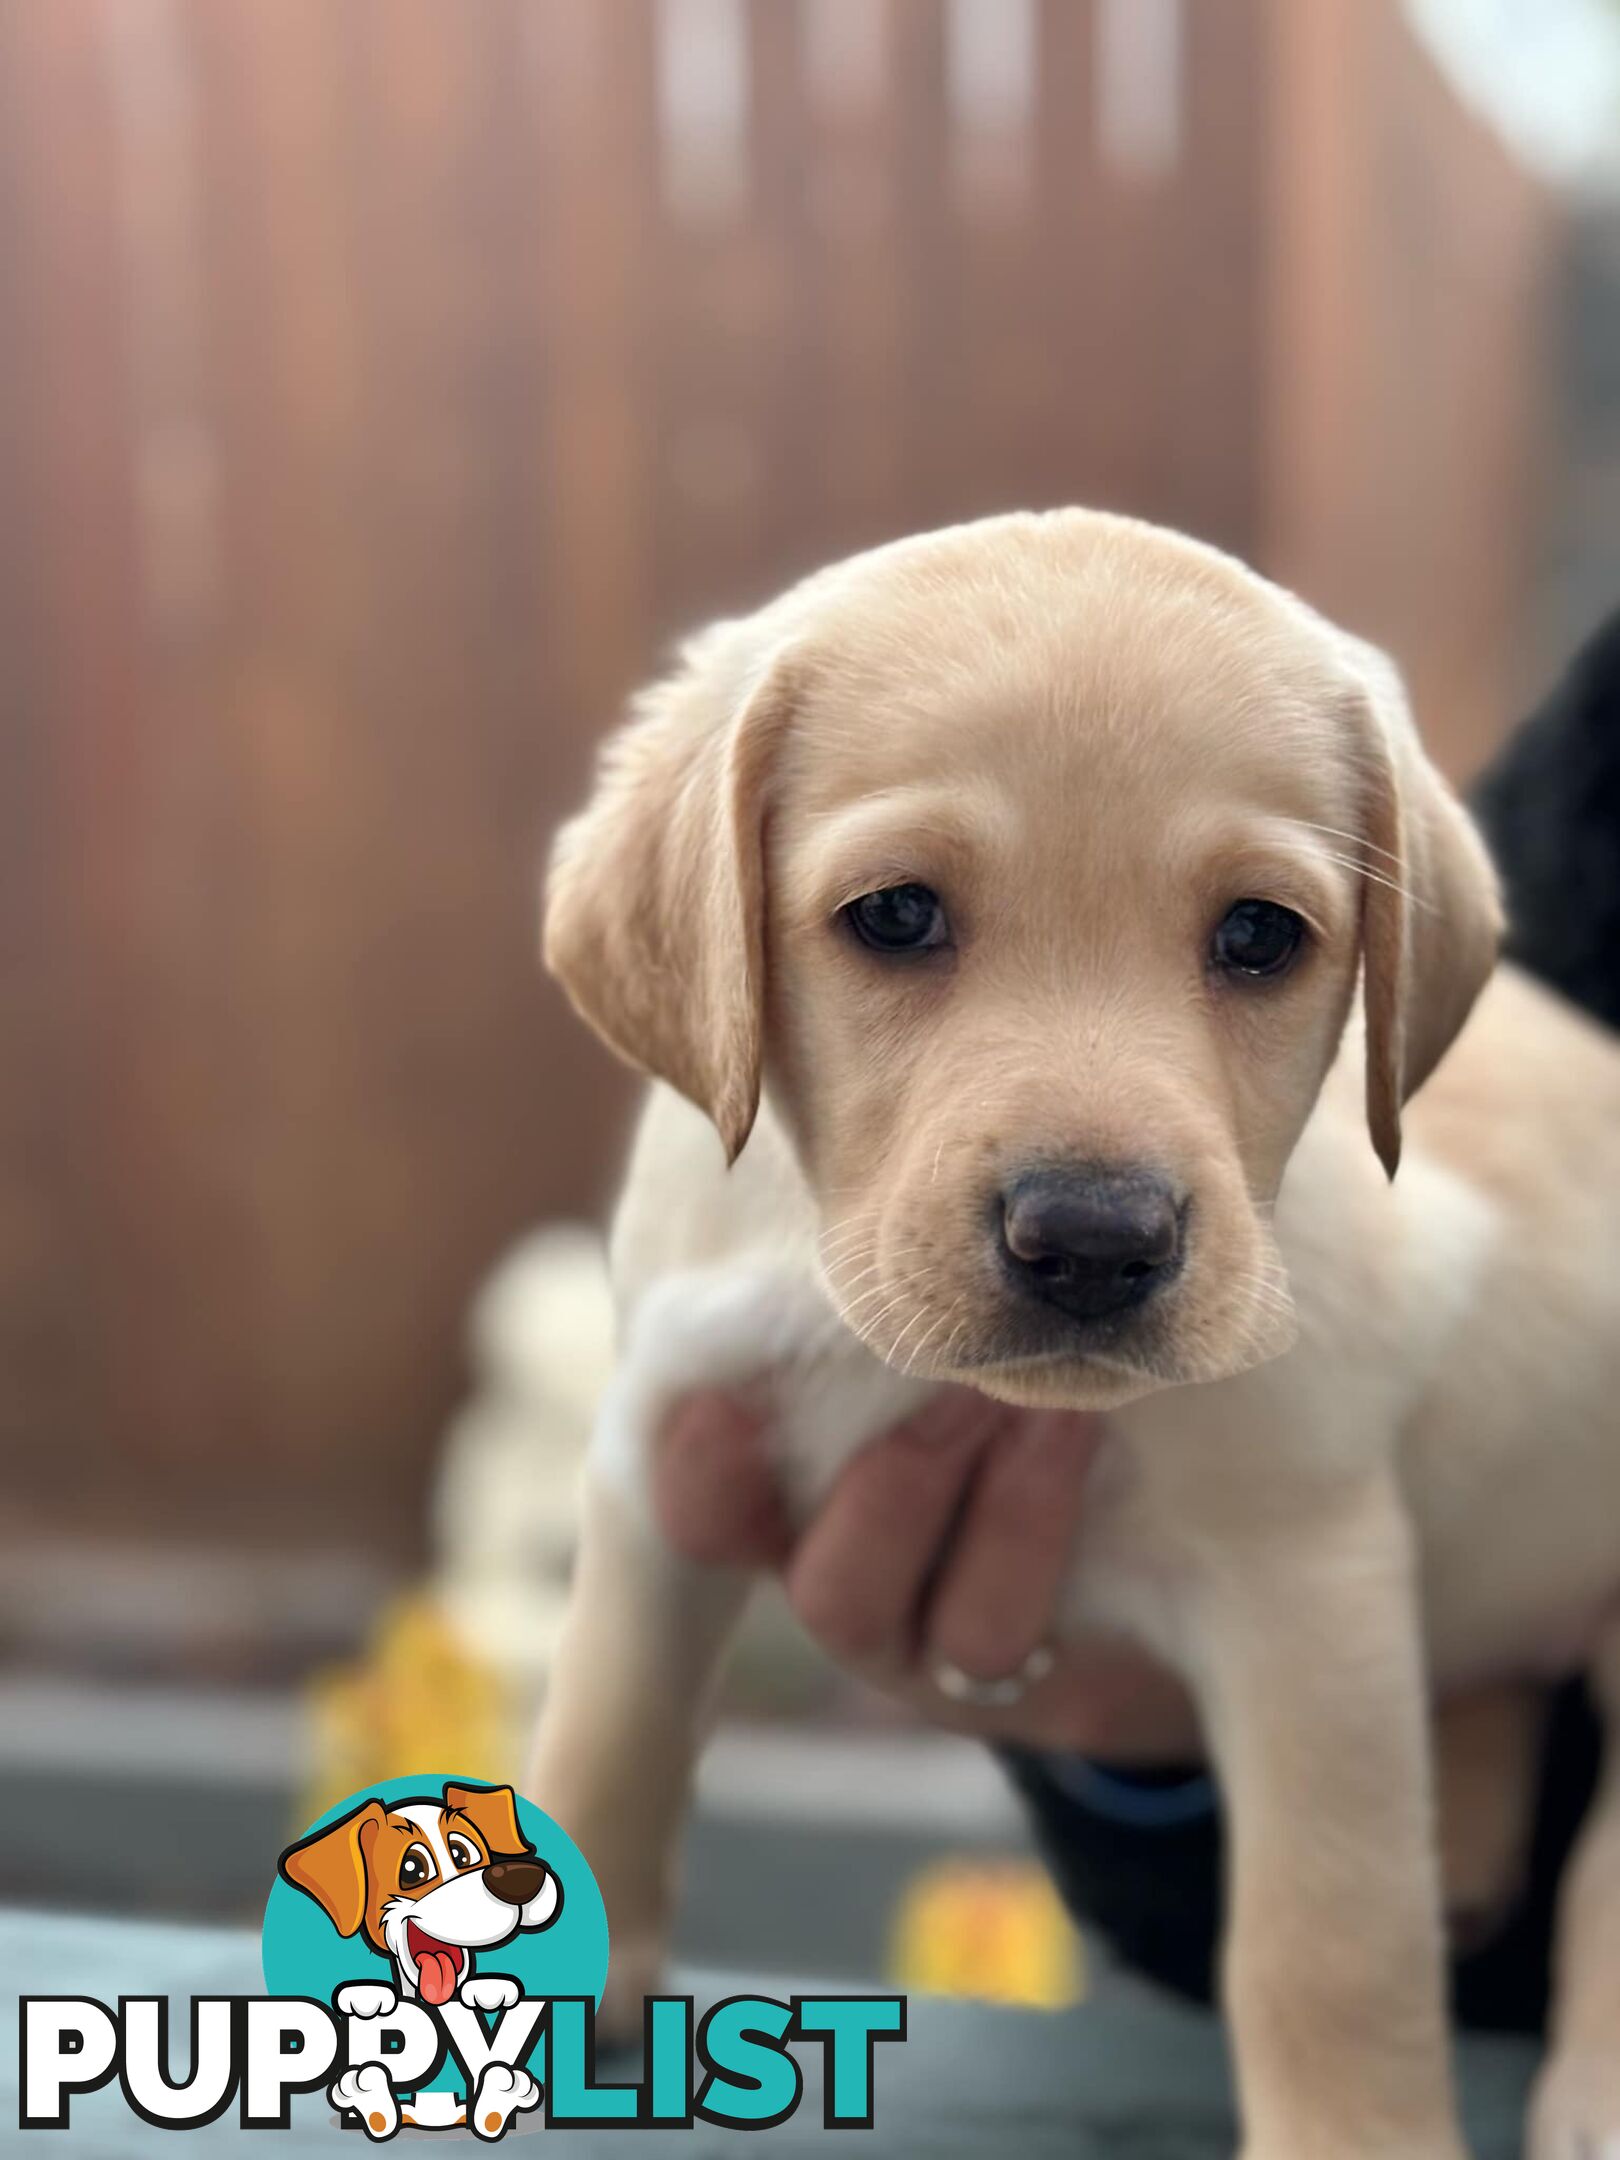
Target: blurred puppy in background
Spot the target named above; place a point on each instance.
(1053, 919)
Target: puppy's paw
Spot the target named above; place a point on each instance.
(1575, 2110)
(489, 1991)
(502, 2093)
(365, 1999)
(366, 2092)
(636, 1965)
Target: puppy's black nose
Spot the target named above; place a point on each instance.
(1091, 1242)
(514, 1882)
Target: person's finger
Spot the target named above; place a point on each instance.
(998, 1589)
(858, 1577)
(715, 1492)
(1102, 1699)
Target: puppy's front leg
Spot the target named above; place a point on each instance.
(1576, 2111)
(623, 1716)
(1312, 1680)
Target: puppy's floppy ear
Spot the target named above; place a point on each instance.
(655, 907)
(1431, 909)
(492, 1811)
(330, 1865)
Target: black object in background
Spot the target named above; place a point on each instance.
(1550, 808)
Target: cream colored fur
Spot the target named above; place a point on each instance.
(1365, 1449)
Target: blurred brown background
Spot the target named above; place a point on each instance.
(382, 385)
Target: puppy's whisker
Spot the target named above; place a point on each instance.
(894, 1347)
(898, 1291)
(1373, 875)
(917, 1355)
(941, 1322)
(861, 1252)
(875, 1267)
(861, 1255)
(1337, 832)
(867, 1329)
(1340, 832)
(1376, 877)
(912, 1286)
(834, 1265)
(843, 1235)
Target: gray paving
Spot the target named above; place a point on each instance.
(1128, 2076)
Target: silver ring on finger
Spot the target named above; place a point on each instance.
(1003, 1694)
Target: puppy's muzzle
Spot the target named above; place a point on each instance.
(514, 1882)
(1091, 1242)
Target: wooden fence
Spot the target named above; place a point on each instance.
(382, 381)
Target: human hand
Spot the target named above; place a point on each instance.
(945, 1540)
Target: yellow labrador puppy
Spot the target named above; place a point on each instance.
(1037, 929)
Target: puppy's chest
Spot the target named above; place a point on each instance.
(768, 1331)
(826, 1396)
(1126, 1575)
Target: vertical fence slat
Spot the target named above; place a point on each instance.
(51, 1391)
(789, 381)
(1071, 324)
(594, 109)
(714, 325)
(857, 269)
(1214, 262)
(281, 250)
(926, 249)
(191, 1233)
(66, 365)
(1091, 237)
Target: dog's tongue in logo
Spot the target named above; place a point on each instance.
(438, 1965)
(416, 1903)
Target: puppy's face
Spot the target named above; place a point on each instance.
(428, 1882)
(1061, 945)
(1061, 842)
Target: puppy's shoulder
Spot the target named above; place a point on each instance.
(715, 1276)
(680, 1207)
(1531, 1088)
(1383, 1273)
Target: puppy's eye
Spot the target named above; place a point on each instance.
(416, 1868)
(1257, 937)
(461, 1853)
(900, 919)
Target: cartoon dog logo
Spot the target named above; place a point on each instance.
(428, 1883)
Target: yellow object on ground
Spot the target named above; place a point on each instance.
(989, 1931)
(417, 1699)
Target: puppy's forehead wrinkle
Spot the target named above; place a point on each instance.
(1069, 594)
(1101, 633)
(1099, 751)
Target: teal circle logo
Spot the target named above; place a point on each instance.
(428, 1886)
